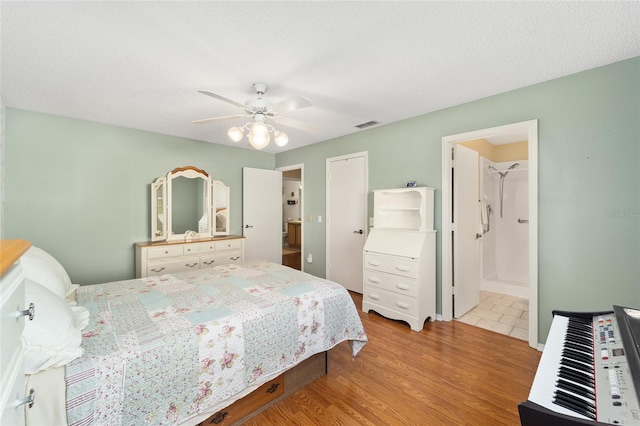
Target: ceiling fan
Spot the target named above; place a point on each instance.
(260, 110)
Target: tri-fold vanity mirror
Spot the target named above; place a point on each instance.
(187, 204)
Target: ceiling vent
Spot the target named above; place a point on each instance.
(367, 124)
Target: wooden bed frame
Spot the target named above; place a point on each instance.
(271, 392)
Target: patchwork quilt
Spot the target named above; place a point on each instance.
(161, 350)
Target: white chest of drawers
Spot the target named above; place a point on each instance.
(401, 287)
(171, 257)
(12, 319)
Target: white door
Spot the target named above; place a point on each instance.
(262, 214)
(467, 231)
(346, 219)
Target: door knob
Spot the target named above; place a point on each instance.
(248, 226)
(478, 236)
(359, 231)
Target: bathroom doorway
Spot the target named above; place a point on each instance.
(499, 187)
(292, 214)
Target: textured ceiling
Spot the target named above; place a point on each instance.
(140, 64)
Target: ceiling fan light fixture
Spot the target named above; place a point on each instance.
(235, 133)
(281, 138)
(258, 141)
(259, 128)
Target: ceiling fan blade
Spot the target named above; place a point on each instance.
(223, 99)
(290, 104)
(296, 124)
(225, 117)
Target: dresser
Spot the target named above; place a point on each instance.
(399, 271)
(167, 257)
(13, 314)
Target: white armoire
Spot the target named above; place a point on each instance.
(400, 256)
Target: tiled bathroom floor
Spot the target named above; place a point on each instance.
(500, 313)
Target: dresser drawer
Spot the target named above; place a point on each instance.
(228, 244)
(12, 415)
(165, 251)
(256, 399)
(211, 260)
(391, 264)
(391, 300)
(13, 300)
(208, 247)
(391, 282)
(174, 265)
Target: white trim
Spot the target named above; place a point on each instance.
(364, 154)
(304, 190)
(531, 127)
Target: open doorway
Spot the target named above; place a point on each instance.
(491, 175)
(292, 214)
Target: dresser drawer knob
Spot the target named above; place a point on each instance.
(29, 399)
(190, 265)
(209, 262)
(235, 258)
(374, 296)
(157, 269)
(402, 268)
(31, 312)
(402, 286)
(374, 263)
(273, 387)
(374, 280)
(402, 305)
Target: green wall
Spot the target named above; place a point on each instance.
(81, 190)
(588, 177)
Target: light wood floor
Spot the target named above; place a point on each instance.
(450, 373)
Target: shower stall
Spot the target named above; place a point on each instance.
(504, 215)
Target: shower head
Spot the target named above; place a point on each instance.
(513, 166)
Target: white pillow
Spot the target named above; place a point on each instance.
(42, 268)
(50, 339)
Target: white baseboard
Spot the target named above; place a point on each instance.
(505, 288)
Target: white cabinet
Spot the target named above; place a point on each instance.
(171, 257)
(13, 314)
(399, 257)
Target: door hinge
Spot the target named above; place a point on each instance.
(453, 157)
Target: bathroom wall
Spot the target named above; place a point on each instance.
(505, 253)
(291, 191)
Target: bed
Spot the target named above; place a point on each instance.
(177, 349)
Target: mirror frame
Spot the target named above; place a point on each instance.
(214, 207)
(161, 205)
(189, 172)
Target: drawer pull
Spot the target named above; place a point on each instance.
(218, 417)
(209, 262)
(273, 387)
(402, 286)
(190, 265)
(374, 263)
(374, 280)
(31, 312)
(402, 268)
(235, 258)
(402, 305)
(29, 399)
(157, 269)
(374, 296)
